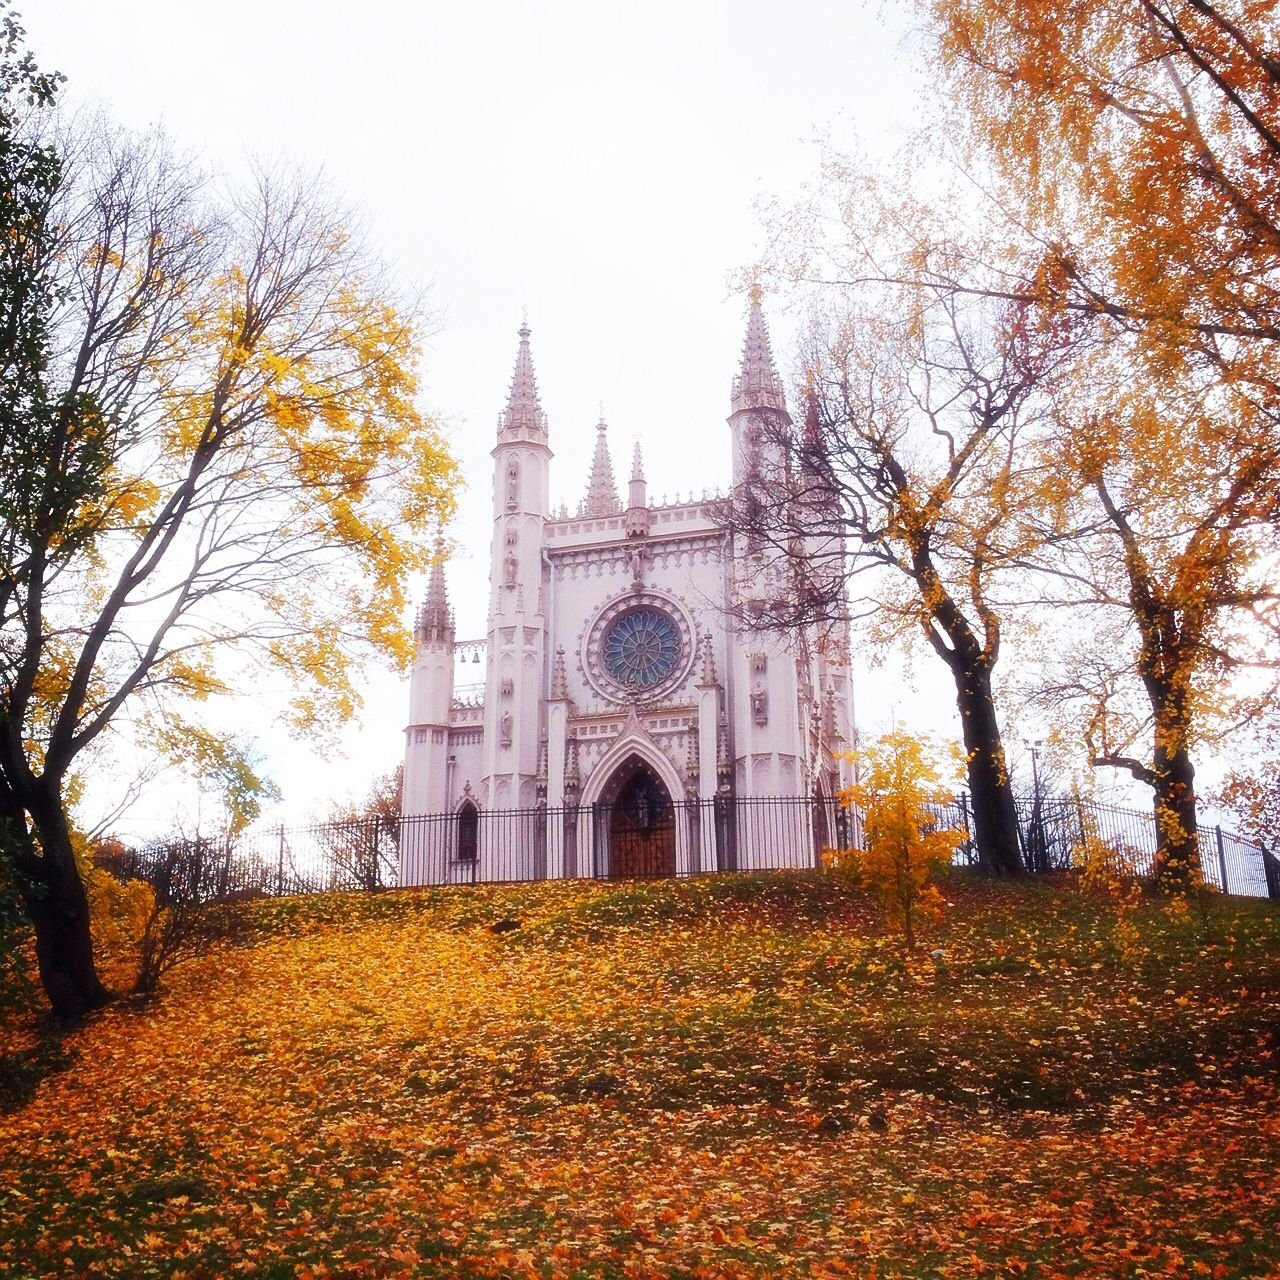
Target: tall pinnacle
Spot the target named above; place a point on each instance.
(523, 417)
(434, 618)
(559, 678)
(758, 385)
(602, 491)
(636, 489)
(817, 484)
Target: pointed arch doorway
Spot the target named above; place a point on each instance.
(641, 823)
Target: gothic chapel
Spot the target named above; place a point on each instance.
(628, 725)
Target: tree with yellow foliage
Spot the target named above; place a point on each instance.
(901, 787)
(213, 447)
(1131, 153)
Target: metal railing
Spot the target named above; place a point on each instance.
(683, 838)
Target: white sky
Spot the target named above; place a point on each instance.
(597, 163)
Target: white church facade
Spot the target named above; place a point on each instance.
(630, 724)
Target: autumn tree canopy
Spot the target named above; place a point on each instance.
(1117, 196)
(213, 446)
(1139, 146)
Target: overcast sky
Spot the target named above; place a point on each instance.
(599, 164)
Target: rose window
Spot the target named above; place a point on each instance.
(641, 648)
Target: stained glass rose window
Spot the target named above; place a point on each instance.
(641, 648)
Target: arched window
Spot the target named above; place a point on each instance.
(468, 832)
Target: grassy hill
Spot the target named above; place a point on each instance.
(738, 1076)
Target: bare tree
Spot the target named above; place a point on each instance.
(362, 841)
(899, 501)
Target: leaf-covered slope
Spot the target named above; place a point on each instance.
(737, 1076)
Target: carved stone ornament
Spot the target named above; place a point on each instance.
(759, 703)
(639, 647)
(636, 558)
(510, 565)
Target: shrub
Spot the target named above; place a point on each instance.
(900, 787)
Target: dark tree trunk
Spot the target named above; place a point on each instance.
(995, 818)
(56, 901)
(1177, 865)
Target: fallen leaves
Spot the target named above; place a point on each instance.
(732, 1077)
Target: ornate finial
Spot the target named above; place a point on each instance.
(572, 777)
(435, 619)
(541, 776)
(757, 386)
(559, 677)
(707, 678)
(637, 501)
(812, 421)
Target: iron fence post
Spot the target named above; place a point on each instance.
(695, 834)
(1222, 859)
(968, 835)
(1271, 870)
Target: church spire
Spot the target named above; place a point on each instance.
(602, 491)
(435, 618)
(707, 679)
(757, 386)
(523, 418)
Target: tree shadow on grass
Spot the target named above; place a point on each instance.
(23, 1070)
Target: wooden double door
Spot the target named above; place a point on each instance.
(642, 826)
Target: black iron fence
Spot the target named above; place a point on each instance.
(647, 838)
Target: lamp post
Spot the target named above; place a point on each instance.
(1037, 818)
